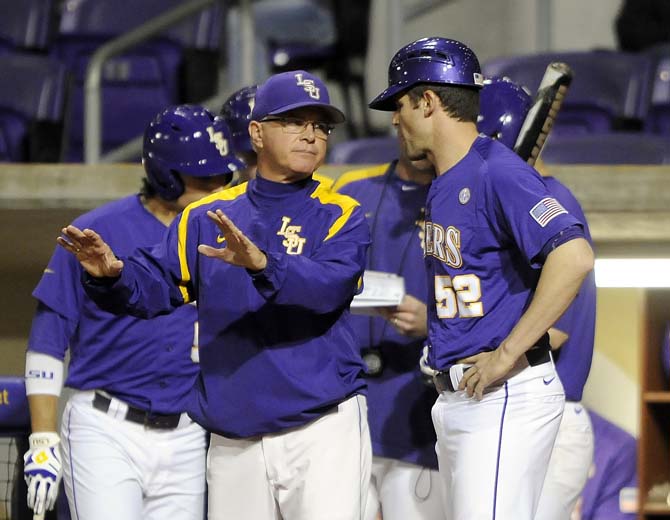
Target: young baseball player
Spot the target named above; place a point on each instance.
(273, 265)
(504, 260)
(126, 447)
(404, 467)
(503, 108)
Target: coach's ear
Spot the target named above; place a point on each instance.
(256, 135)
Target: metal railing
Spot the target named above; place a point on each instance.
(93, 81)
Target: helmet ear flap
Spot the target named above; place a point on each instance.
(176, 186)
(166, 182)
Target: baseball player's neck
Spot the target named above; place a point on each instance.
(420, 172)
(452, 140)
(163, 210)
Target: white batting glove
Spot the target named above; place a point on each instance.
(42, 471)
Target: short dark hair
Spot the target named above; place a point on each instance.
(461, 103)
(147, 190)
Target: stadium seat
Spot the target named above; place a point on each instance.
(338, 59)
(141, 82)
(25, 24)
(31, 108)
(613, 148)
(609, 91)
(658, 116)
(370, 150)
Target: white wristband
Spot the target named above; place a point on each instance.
(43, 440)
(44, 374)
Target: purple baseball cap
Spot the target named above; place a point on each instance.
(290, 90)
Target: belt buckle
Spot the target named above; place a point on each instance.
(161, 422)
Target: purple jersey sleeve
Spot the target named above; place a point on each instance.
(573, 360)
(614, 468)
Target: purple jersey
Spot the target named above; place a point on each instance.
(146, 363)
(399, 403)
(614, 468)
(573, 359)
(487, 221)
(276, 347)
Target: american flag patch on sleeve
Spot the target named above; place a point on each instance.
(545, 210)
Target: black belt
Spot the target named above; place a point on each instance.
(148, 419)
(536, 355)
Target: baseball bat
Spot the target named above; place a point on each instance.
(542, 114)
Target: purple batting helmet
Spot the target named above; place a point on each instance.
(186, 140)
(429, 60)
(503, 106)
(236, 111)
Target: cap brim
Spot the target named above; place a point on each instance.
(335, 115)
(386, 100)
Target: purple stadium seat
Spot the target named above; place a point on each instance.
(658, 116)
(610, 89)
(25, 23)
(613, 148)
(336, 60)
(371, 150)
(139, 83)
(31, 107)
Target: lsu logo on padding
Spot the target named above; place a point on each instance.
(308, 86)
(293, 242)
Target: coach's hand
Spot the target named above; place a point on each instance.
(487, 368)
(238, 249)
(93, 253)
(42, 471)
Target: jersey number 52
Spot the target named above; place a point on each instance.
(459, 295)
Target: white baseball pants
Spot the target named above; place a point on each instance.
(115, 469)
(569, 465)
(403, 491)
(318, 471)
(493, 454)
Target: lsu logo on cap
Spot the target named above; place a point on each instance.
(308, 86)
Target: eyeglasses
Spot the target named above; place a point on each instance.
(295, 125)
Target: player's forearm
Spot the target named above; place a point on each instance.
(43, 412)
(562, 275)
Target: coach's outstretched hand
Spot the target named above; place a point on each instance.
(93, 253)
(237, 248)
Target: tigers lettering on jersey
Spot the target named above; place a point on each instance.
(293, 242)
(444, 244)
